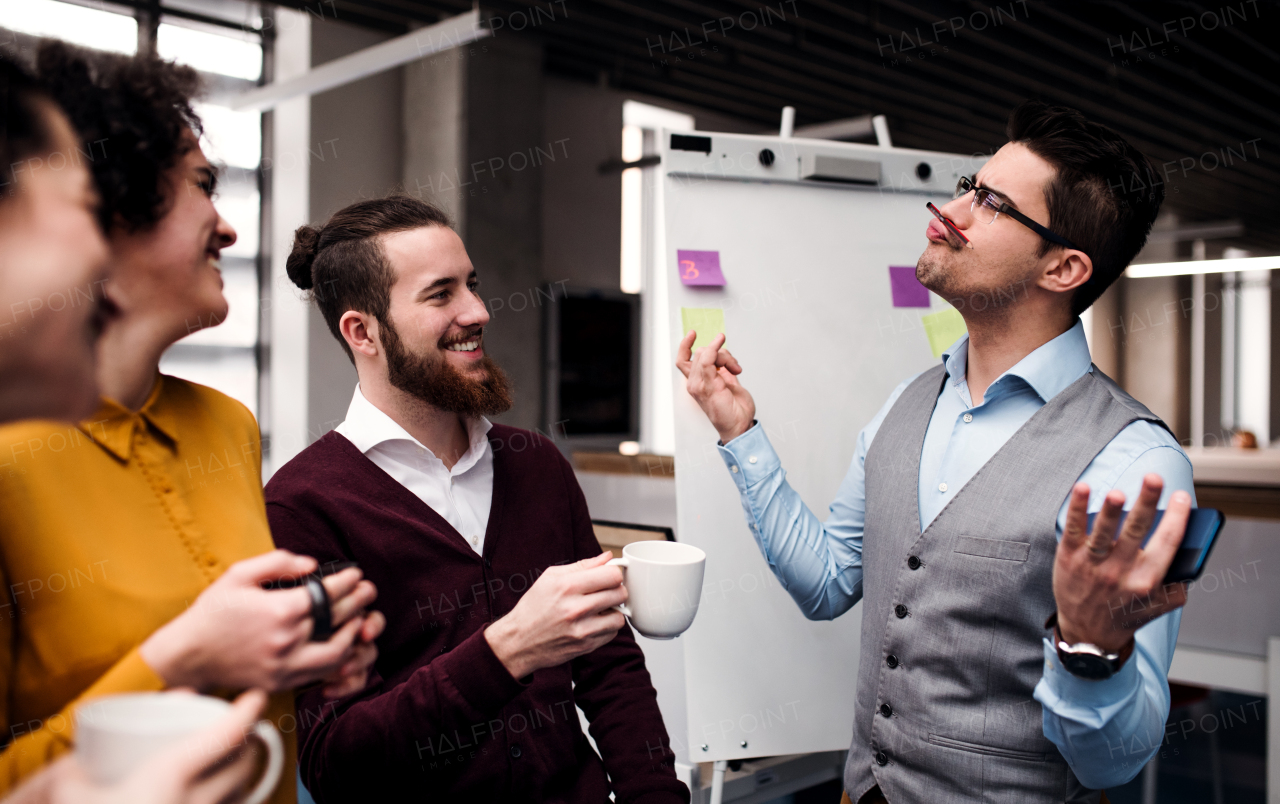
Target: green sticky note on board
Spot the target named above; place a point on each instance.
(943, 329)
(708, 322)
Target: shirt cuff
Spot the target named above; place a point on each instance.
(750, 457)
(1083, 700)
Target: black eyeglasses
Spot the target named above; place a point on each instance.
(987, 206)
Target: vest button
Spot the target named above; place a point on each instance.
(515, 752)
(891, 660)
(882, 758)
(886, 710)
(900, 610)
(914, 562)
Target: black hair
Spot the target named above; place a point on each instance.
(136, 111)
(24, 120)
(1103, 197)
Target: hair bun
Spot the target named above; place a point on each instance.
(306, 241)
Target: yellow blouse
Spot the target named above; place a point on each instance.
(108, 530)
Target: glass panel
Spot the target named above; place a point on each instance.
(222, 355)
(240, 287)
(231, 138)
(210, 52)
(240, 204)
(235, 11)
(234, 372)
(89, 27)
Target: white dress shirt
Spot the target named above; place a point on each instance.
(461, 495)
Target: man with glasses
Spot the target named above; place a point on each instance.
(1009, 653)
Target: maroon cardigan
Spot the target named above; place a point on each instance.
(441, 716)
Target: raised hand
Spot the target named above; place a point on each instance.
(1108, 588)
(567, 613)
(711, 379)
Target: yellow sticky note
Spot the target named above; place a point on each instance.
(943, 329)
(708, 322)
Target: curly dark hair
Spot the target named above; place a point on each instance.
(138, 108)
(1103, 197)
(24, 125)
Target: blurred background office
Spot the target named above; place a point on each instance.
(535, 124)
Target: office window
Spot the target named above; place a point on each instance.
(221, 39)
(230, 54)
(79, 25)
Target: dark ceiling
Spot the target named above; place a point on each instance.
(1195, 86)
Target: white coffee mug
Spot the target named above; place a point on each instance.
(117, 734)
(664, 586)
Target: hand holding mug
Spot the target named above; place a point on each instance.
(208, 766)
(567, 613)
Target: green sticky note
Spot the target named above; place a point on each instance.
(708, 322)
(943, 329)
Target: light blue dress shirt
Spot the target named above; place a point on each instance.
(1106, 730)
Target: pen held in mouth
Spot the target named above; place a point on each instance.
(948, 225)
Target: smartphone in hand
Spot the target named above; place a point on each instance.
(1203, 527)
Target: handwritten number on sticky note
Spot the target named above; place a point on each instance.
(690, 269)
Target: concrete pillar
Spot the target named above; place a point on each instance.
(354, 153)
(473, 144)
(288, 128)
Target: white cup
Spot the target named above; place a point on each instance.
(664, 586)
(117, 734)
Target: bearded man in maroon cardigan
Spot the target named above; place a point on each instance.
(497, 595)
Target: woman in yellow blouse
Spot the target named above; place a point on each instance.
(134, 545)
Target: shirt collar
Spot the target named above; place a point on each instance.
(367, 426)
(1048, 370)
(113, 425)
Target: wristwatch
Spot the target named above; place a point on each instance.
(1084, 659)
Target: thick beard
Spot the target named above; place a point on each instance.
(441, 385)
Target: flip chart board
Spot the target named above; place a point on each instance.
(810, 311)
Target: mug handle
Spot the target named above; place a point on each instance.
(621, 563)
(275, 762)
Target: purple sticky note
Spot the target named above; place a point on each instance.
(907, 290)
(700, 268)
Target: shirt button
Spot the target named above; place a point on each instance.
(209, 559)
(886, 710)
(968, 417)
(914, 562)
(475, 540)
(900, 610)
(515, 752)
(734, 469)
(882, 758)
(752, 459)
(891, 660)
(942, 487)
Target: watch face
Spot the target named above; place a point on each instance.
(1087, 666)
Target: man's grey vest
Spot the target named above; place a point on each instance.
(953, 618)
